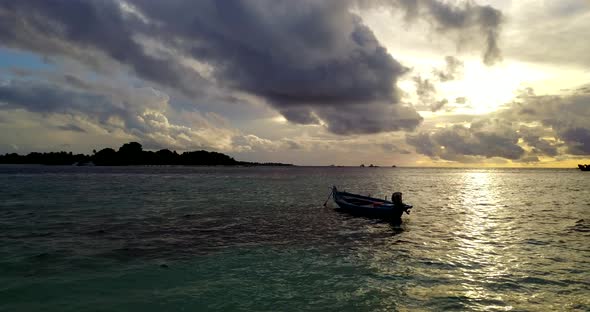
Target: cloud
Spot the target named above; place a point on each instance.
(369, 119)
(292, 144)
(424, 144)
(539, 29)
(452, 71)
(577, 139)
(142, 113)
(89, 31)
(252, 143)
(314, 61)
(71, 127)
(461, 100)
(529, 159)
(394, 148)
(156, 131)
(438, 105)
(534, 137)
(547, 125)
(42, 97)
(469, 22)
(426, 92)
(454, 142)
(383, 149)
(566, 115)
(425, 89)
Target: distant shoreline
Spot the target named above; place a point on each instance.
(131, 154)
(288, 166)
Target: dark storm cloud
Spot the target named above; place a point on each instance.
(469, 20)
(468, 16)
(367, 119)
(77, 28)
(314, 61)
(46, 98)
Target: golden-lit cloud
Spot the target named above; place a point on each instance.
(426, 82)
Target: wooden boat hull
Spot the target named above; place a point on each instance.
(362, 212)
(365, 206)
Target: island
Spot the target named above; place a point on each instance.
(130, 154)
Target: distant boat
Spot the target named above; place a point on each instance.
(83, 164)
(584, 167)
(369, 206)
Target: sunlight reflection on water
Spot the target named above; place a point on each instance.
(259, 239)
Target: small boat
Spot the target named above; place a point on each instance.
(369, 206)
(584, 167)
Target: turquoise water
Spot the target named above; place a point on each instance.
(259, 239)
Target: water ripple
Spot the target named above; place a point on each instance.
(259, 239)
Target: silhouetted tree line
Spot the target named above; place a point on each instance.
(130, 154)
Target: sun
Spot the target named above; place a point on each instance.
(487, 88)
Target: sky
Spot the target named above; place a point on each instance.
(494, 83)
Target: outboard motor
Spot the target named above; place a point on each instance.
(396, 198)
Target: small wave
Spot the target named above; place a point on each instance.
(540, 281)
(580, 226)
(535, 242)
(504, 285)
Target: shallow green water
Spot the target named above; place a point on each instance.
(202, 239)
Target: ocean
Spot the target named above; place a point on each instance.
(260, 239)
